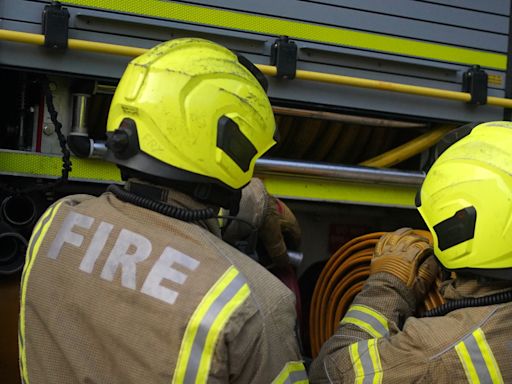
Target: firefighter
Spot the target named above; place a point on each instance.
(466, 202)
(137, 286)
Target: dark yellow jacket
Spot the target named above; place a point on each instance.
(114, 293)
(378, 340)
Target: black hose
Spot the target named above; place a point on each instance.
(12, 250)
(66, 162)
(19, 210)
(66, 154)
(497, 298)
(182, 214)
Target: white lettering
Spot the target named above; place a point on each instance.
(162, 269)
(97, 243)
(66, 234)
(129, 249)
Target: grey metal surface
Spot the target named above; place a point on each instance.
(405, 18)
(445, 12)
(80, 104)
(338, 172)
(460, 23)
(490, 6)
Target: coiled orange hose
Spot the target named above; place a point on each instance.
(341, 280)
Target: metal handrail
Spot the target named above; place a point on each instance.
(92, 46)
(336, 172)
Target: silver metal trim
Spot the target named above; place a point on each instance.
(338, 172)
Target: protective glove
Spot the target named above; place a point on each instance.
(408, 256)
(276, 226)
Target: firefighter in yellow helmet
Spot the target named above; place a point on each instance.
(466, 202)
(137, 286)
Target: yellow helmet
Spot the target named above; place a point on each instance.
(193, 111)
(466, 201)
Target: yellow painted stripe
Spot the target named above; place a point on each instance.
(356, 363)
(35, 164)
(488, 356)
(304, 188)
(300, 30)
(374, 355)
(195, 322)
(289, 368)
(216, 329)
(467, 363)
(29, 263)
(363, 325)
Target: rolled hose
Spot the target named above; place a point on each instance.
(12, 250)
(341, 280)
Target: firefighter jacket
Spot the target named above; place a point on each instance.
(373, 344)
(115, 293)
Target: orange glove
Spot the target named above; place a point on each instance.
(408, 256)
(277, 228)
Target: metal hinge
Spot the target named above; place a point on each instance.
(55, 26)
(283, 55)
(474, 81)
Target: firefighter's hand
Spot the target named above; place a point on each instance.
(408, 256)
(277, 228)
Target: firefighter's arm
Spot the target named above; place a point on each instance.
(269, 219)
(265, 349)
(401, 272)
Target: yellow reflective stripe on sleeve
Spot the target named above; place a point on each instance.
(356, 363)
(292, 373)
(34, 244)
(465, 359)
(206, 324)
(477, 359)
(367, 319)
(276, 26)
(375, 357)
(488, 356)
(366, 362)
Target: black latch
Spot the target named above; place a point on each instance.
(284, 56)
(474, 81)
(55, 26)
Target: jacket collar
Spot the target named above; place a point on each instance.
(463, 287)
(174, 198)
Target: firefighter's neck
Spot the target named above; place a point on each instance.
(171, 196)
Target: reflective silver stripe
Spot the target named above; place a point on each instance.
(211, 315)
(35, 236)
(33, 240)
(478, 360)
(368, 319)
(292, 373)
(366, 362)
(40, 229)
(296, 377)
